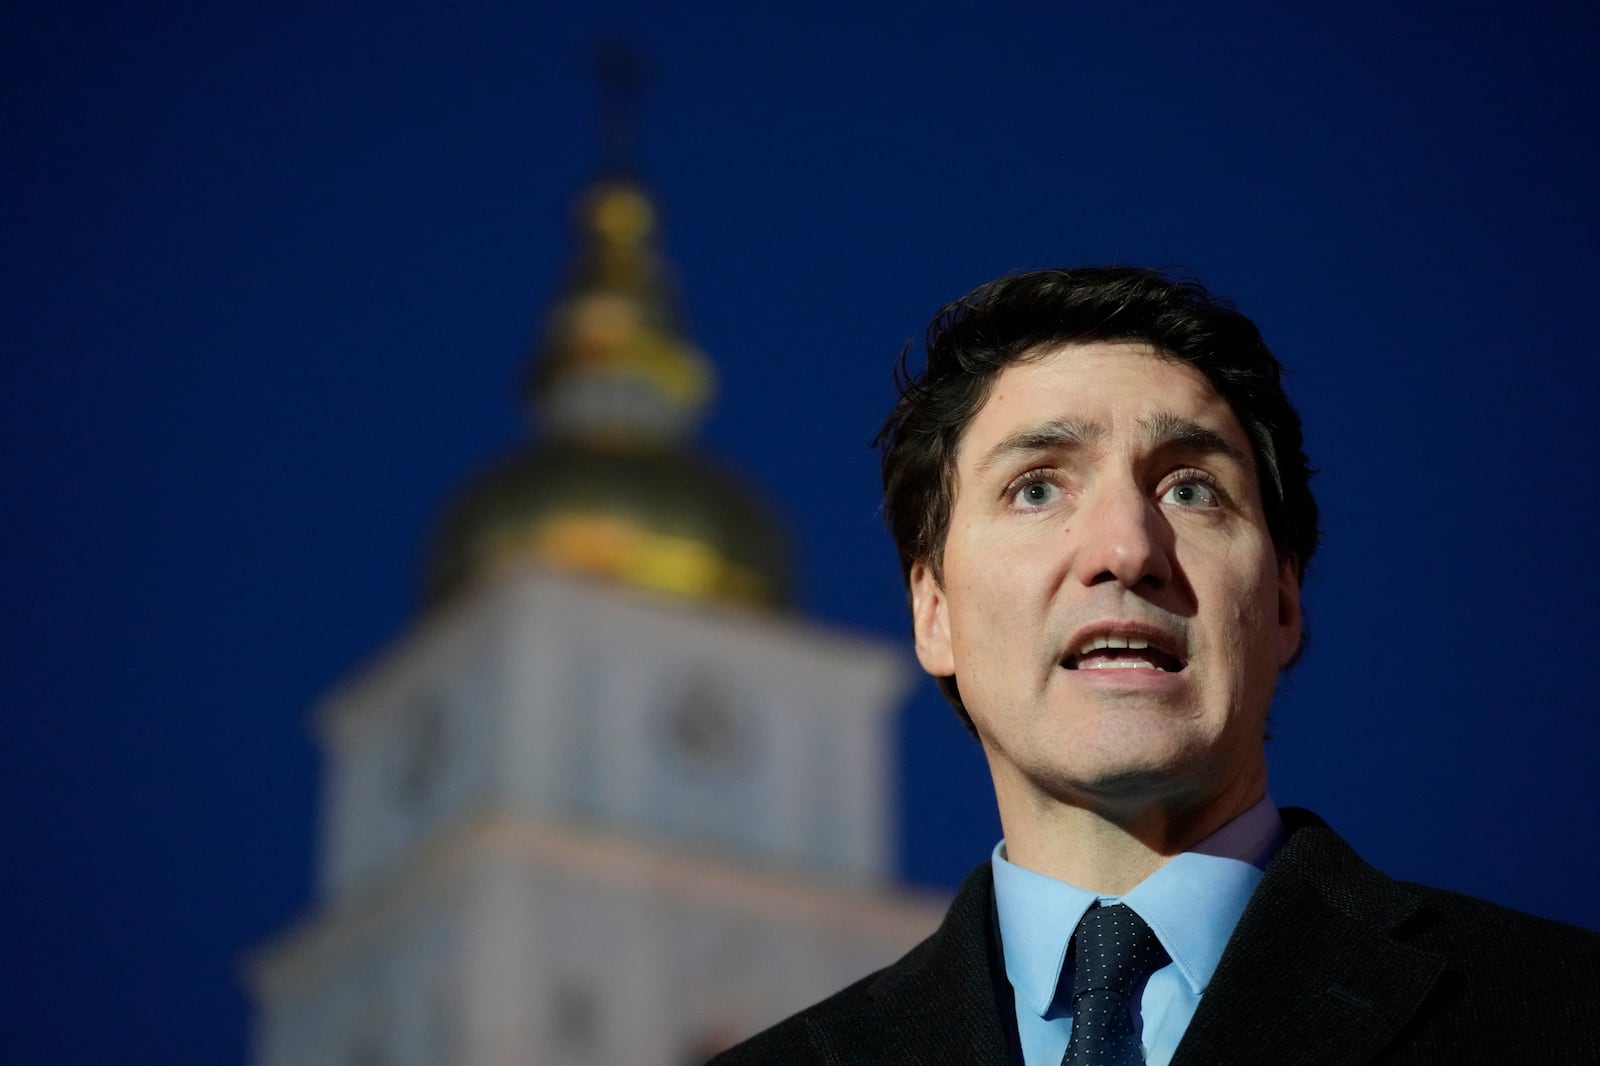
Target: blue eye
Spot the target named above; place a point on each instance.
(1191, 494)
(1036, 494)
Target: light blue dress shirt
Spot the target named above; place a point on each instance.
(1193, 903)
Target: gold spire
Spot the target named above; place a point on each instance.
(614, 364)
(610, 485)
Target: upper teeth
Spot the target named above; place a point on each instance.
(1113, 642)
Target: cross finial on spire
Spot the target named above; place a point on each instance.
(620, 70)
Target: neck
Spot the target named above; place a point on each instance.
(1109, 846)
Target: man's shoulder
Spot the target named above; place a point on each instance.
(793, 1039)
(1430, 974)
(1440, 919)
(913, 1010)
(1487, 935)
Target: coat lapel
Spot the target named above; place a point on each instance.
(1314, 975)
(938, 1004)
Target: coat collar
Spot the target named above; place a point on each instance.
(1315, 973)
(943, 998)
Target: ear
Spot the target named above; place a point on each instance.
(1289, 620)
(930, 622)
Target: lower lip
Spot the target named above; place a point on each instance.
(1139, 679)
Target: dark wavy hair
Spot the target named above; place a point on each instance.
(1022, 316)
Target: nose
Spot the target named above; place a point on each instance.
(1122, 536)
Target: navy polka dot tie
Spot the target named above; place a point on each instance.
(1115, 953)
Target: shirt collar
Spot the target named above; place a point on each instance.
(1192, 902)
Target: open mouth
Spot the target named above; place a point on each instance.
(1109, 652)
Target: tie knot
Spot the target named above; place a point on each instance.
(1115, 951)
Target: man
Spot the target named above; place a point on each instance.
(1101, 501)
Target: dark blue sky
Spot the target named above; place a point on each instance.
(269, 272)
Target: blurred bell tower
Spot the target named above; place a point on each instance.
(607, 800)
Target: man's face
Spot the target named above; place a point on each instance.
(1112, 605)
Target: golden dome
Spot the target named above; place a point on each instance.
(660, 519)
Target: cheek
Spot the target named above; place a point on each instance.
(1002, 584)
(977, 619)
(1245, 595)
(992, 610)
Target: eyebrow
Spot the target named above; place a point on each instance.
(1058, 434)
(1162, 431)
(1165, 430)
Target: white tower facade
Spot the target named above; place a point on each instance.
(571, 823)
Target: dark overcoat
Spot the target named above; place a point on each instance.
(1332, 964)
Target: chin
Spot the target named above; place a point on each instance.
(1163, 763)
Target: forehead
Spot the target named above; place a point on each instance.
(1115, 387)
